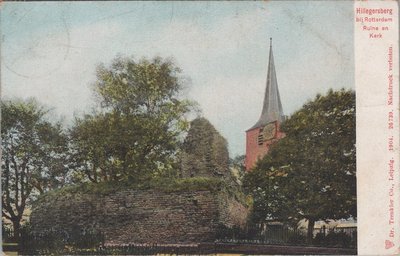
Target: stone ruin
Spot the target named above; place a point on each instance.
(205, 152)
(130, 216)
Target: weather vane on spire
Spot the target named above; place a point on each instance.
(270, 41)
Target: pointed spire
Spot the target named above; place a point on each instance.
(272, 107)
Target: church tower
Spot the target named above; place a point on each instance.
(267, 129)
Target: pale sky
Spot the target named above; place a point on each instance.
(50, 51)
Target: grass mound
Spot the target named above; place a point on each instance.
(163, 185)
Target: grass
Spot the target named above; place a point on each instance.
(167, 185)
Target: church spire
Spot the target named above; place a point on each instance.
(272, 107)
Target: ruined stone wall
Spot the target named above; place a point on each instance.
(138, 216)
(205, 152)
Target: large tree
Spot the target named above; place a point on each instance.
(311, 173)
(33, 156)
(139, 126)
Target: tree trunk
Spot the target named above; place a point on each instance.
(17, 229)
(310, 231)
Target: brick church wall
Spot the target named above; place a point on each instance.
(254, 151)
(141, 216)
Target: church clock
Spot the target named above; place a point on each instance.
(269, 131)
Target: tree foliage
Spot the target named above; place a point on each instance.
(139, 128)
(34, 153)
(311, 173)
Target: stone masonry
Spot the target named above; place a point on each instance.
(205, 152)
(138, 216)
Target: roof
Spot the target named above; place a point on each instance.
(272, 107)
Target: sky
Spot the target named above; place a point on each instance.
(50, 51)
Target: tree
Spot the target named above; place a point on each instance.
(33, 156)
(311, 173)
(142, 120)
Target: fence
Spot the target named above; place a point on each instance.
(256, 239)
(283, 235)
(280, 234)
(201, 249)
(338, 237)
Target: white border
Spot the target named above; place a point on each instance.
(373, 155)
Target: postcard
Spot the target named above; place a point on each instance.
(254, 127)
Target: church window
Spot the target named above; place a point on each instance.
(260, 138)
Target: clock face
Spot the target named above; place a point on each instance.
(269, 131)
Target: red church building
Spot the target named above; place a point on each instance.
(267, 129)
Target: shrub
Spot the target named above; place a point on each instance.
(336, 239)
(59, 242)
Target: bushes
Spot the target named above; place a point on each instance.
(273, 234)
(336, 239)
(59, 242)
(233, 233)
(296, 238)
(281, 234)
